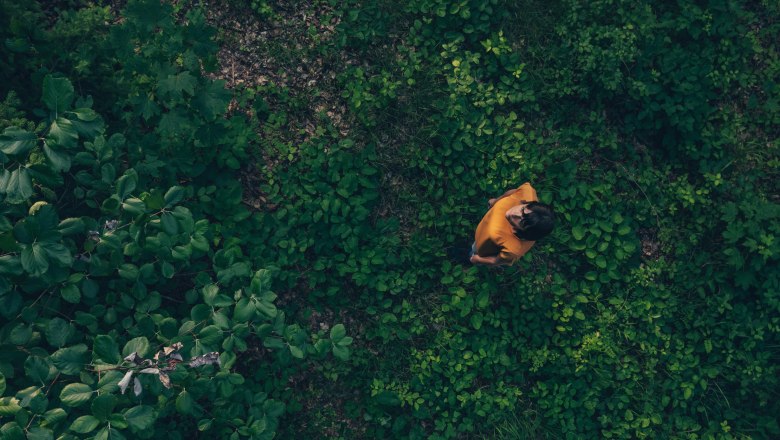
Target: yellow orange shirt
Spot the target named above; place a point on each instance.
(495, 235)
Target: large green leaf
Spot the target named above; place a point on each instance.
(62, 133)
(34, 259)
(9, 406)
(213, 100)
(71, 293)
(59, 253)
(126, 184)
(70, 360)
(57, 94)
(86, 122)
(261, 282)
(15, 141)
(337, 332)
(184, 403)
(10, 265)
(60, 160)
(16, 185)
(140, 417)
(53, 416)
(40, 433)
(84, 424)
(138, 345)
(76, 394)
(173, 196)
(103, 406)
(38, 369)
(106, 348)
(245, 310)
(174, 85)
(57, 332)
(109, 381)
(108, 433)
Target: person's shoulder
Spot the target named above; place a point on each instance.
(526, 192)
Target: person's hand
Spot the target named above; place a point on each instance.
(473, 259)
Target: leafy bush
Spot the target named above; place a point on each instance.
(651, 312)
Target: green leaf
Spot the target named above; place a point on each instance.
(138, 345)
(337, 332)
(210, 293)
(117, 421)
(261, 282)
(198, 242)
(76, 394)
(266, 308)
(2, 384)
(167, 269)
(39, 433)
(62, 133)
(10, 265)
(84, 424)
(347, 340)
(53, 416)
(60, 160)
(20, 334)
(58, 253)
(103, 406)
(173, 196)
(109, 381)
(245, 310)
(71, 293)
(57, 93)
(169, 224)
(57, 332)
(184, 403)
(578, 232)
(70, 360)
(71, 226)
(213, 99)
(296, 352)
(9, 406)
(86, 122)
(15, 141)
(341, 353)
(134, 206)
(174, 85)
(140, 417)
(108, 433)
(5, 224)
(37, 369)
(16, 185)
(126, 184)
(106, 348)
(210, 336)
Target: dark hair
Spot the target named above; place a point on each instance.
(538, 223)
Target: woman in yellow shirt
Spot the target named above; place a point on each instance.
(509, 229)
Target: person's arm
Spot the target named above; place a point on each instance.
(487, 261)
(508, 192)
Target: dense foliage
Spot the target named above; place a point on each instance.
(132, 249)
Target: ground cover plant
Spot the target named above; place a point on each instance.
(236, 219)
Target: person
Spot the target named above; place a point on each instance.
(513, 223)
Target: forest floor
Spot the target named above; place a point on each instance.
(288, 49)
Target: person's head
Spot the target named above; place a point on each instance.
(532, 221)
